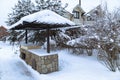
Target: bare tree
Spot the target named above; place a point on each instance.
(108, 31)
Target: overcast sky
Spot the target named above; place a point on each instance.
(6, 6)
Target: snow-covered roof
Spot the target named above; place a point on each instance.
(86, 5)
(45, 17)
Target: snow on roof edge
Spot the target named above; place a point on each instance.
(44, 16)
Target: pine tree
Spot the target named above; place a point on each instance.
(54, 5)
(21, 9)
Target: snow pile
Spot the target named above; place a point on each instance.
(71, 67)
(45, 17)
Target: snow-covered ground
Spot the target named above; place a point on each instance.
(71, 67)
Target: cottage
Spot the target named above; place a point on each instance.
(75, 14)
(79, 14)
(3, 32)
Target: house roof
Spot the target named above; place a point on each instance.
(42, 19)
(2, 27)
(86, 5)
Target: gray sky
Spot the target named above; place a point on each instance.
(6, 6)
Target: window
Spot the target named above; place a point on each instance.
(23, 56)
(76, 14)
(89, 18)
(0, 30)
(96, 12)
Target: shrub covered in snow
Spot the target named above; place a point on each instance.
(108, 31)
(52, 45)
(83, 43)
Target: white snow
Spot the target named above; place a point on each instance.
(71, 67)
(11, 66)
(81, 41)
(41, 52)
(46, 17)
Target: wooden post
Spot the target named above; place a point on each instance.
(48, 40)
(26, 38)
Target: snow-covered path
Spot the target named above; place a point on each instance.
(11, 66)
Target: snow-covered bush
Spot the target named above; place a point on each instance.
(61, 38)
(83, 43)
(75, 32)
(109, 56)
(52, 45)
(37, 37)
(108, 31)
(14, 36)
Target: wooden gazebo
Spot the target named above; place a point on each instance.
(45, 19)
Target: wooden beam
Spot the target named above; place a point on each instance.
(48, 40)
(26, 37)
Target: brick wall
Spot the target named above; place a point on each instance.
(3, 31)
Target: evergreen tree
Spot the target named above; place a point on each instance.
(21, 9)
(54, 5)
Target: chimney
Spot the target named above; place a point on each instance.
(80, 2)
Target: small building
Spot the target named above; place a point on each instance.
(95, 14)
(75, 13)
(3, 32)
(43, 62)
(79, 14)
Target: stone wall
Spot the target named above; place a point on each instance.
(43, 64)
